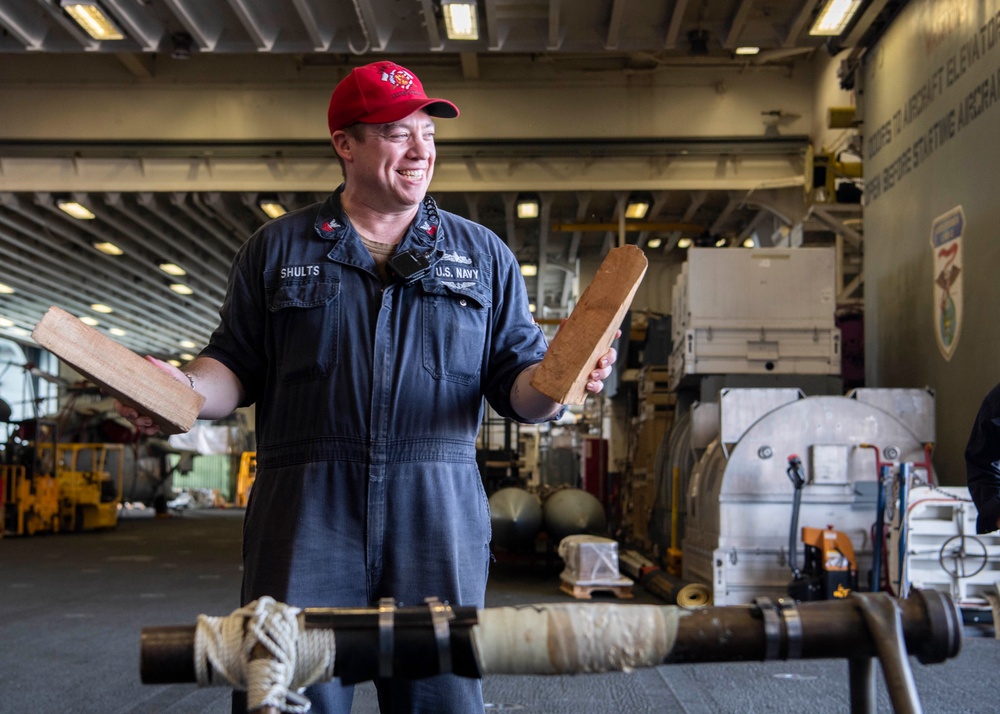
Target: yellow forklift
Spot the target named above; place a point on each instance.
(89, 478)
(50, 487)
(30, 489)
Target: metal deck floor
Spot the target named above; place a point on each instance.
(72, 608)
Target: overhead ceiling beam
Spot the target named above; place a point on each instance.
(676, 20)
(870, 14)
(555, 39)
(138, 23)
(799, 23)
(262, 33)
(25, 25)
(615, 25)
(492, 26)
(321, 37)
(737, 24)
(434, 43)
(203, 29)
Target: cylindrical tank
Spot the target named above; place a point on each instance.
(516, 518)
(573, 511)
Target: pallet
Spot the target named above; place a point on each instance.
(584, 592)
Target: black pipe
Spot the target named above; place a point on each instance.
(829, 629)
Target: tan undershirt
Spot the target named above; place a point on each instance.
(381, 252)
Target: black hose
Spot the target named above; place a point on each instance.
(794, 472)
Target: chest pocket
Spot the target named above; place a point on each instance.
(305, 315)
(454, 331)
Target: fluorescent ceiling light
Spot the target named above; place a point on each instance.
(749, 242)
(94, 21)
(174, 362)
(4, 322)
(187, 357)
(6, 289)
(527, 208)
(532, 307)
(747, 50)
(654, 242)
(100, 307)
(271, 207)
(834, 17)
(529, 270)
(108, 248)
(637, 208)
(181, 289)
(684, 243)
(720, 242)
(92, 321)
(19, 331)
(188, 344)
(117, 332)
(460, 21)
(76, 210)
(172, 269)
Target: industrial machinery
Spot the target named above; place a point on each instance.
(739, 501)
(830, 569)
(52, 487)
(245, 477)
(89, 480)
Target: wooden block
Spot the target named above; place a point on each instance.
(119, 371)
(588, 332)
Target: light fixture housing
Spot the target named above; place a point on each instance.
(88, 320)
(117, 331)
(6, 289)
(527, 207)
(529, 270)
(77, 210)
(747, 51)
(172, 269)
(271, 206)
(654, 243)
(92, 19)
(460, 19)
(108, 248)
(834, 18)
(181, 289)
(101, 307)
(638, 206)
(684, 243)
(189, 344)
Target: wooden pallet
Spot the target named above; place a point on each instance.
(585, 592)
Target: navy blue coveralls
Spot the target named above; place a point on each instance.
(369, 399)
(982, 462)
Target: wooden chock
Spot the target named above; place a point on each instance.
(590, 329)
(119, 371)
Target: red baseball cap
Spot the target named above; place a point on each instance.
(380, 93)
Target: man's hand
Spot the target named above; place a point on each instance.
(143, 423)
(596, 382)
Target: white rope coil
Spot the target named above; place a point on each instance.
(224, 654)
(573, 639)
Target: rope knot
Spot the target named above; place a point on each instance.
(263, 649)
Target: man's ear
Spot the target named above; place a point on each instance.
(341, 143)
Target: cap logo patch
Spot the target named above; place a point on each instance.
(398, 78)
